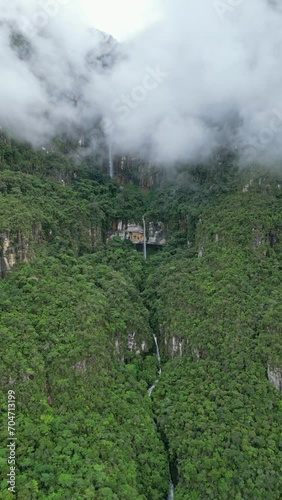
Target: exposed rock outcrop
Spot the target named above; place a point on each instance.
(136, 171)
(17, 247)
(8, 253)
(175, 346)
(275, 377)
(134, 344)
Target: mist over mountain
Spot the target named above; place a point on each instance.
(140, 330)
(206, 75)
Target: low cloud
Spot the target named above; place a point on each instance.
(207, 75)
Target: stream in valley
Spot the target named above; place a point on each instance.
(150, 392)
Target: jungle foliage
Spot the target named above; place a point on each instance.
(77, 308)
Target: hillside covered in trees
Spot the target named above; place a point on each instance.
(79, 311)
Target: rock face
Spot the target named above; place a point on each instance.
(201, 252)
(105, 51)
(157, 235)
(80, 366)
(134, 344)
(20, 246)
(17, 247)
(275, 377)
(8, 254)
(175, 346)
(136, 171)
(248, 186)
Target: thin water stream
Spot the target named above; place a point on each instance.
(150, 392)
(111, 160)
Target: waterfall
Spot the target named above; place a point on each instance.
(171, 492)
(111, 160)
(157, 348)
(152, 388)
(150, 392)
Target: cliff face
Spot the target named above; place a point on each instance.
(130, 170)
(18, 247)
(275, 377)
(135, 344)
(8, 254)
(22, 245)
(47, 203)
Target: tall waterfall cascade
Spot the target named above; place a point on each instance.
(150, 392)
(171, 493)
(111, 159)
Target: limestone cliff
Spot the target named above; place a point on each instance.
(275, 377)
(17, 247)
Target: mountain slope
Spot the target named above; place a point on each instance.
(78, 314)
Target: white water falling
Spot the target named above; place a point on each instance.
(111, 160)
(150, 392)
(157, 348)
(171, 493)
(152, 388)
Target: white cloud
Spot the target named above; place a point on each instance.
(220, 86)
(122, 18)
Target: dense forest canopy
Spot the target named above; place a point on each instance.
(78, 314)
(140, 251)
